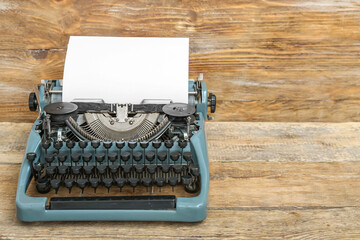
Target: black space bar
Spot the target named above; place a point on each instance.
(123, 202)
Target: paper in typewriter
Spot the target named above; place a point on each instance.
(126, 70)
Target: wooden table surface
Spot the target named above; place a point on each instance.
(267, 181)
(278, 60)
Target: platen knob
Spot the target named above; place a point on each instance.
(212, 102)
(33, 103)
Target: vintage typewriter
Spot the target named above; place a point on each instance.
(100, 161)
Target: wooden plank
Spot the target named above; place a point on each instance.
(255, 20)
(234, 184)
(266, 61)
(241, 142)
(283, 142)
(13, 139)
(277, 200)
(221, 223)
(251, 198)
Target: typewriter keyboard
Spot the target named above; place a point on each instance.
(114, 165)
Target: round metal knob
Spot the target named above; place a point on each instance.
(212, 102)
(33, 103)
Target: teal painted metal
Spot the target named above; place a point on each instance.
(192, 209)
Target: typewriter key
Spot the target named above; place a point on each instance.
(160, 182)
(132, 145)
(144, 144)
(114, 168)
(177, 168)
(58, 145)
(70, 144)
(125, 156)
(87, 157)
(120, 182)
(120, 144)
(127, 168)
(83, 144)
(55, 184)
(88, 170)
(38, 167)
(95, 144)
(195, 171)
(172, 182)
(165, 168)
(107, 144)
(76, 170)
(137, 156)
(94, 183)
(146, 182)
(50, 170)
(108, 183)
(139, 168)
(182, 144)
(156, 143)
(43, 185)
(31, 158)
(62, 158)
(162, 156)
(168, 143)
(101, 169)
(112, 157)
(49, 158)
(150, 156)
(186, 180)
(99, 157)
(187, 156)
(133, 182)
(62, 170)
(151, 168)
(174, 156)
(81, 182)
(193, 187)
(75, 157)
(46, 144)
(69, 182)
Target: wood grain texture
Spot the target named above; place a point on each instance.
(241, 142)
(292, 223)
(250, 185)
(265, 183)
(265, 60)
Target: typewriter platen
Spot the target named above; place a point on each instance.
(115, 161)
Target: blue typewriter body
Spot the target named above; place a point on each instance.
(66, 152)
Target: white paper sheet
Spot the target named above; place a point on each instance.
(126, 70)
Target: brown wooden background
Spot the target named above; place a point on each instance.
(286, 60)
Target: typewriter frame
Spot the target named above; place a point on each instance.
(189, 209)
